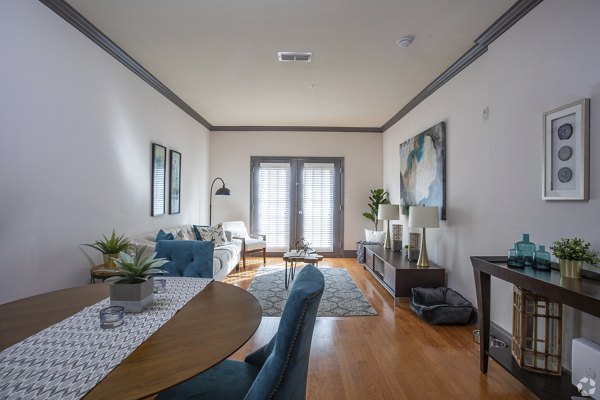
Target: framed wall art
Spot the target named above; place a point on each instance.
(566, 152)
(175, 182)
(423, 170)
(158, 179)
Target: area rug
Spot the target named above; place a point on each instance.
(341, 298)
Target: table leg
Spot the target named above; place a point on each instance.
(482, 284)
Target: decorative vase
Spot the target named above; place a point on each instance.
(570, 268)
(108, 260)
(133, 297)
(527, 248)
(542, 259)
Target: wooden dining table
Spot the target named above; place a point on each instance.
(208, 329)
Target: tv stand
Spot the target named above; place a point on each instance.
(398, 275)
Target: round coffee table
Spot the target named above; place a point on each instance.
(294, 258)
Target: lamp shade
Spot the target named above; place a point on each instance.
(223, 191)
(388, 212)
(423, 217)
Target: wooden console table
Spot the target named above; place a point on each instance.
(397, 274)
(582, 294)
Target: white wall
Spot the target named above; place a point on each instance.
(76, 128)
(494, 167)
(362, 152)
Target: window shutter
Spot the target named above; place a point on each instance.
(318, 203)
(274, 204)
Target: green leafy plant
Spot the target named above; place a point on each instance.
(113, 245)
(574, 249)
(378, 196)
(136, 268)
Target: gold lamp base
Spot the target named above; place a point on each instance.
(423, 260)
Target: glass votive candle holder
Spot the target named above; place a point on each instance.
(111, 317)
(515, 259)
(160, 285)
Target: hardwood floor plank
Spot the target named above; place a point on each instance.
(393, 355)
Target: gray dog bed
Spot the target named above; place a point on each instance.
(441, 306)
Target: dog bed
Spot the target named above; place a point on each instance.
(441, 306)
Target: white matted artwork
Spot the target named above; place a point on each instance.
(566, 152)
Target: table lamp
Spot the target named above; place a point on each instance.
(388, 212)
(423, 217)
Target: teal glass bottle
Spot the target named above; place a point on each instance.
(527, 249)
(542, 259)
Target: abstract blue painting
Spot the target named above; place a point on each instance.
(423, 170)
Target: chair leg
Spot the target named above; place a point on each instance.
(265, 257)
(244, 258)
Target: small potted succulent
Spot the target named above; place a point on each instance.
(133, 287)
(571, 254)
(110, 248)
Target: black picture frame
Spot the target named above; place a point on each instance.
(175, 182)
(158, 179)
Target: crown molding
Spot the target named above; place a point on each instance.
(501, 25)
(73, 17)
(297, 129)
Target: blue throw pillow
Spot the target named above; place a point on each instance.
(162, 235)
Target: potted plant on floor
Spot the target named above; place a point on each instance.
(133, 287)
(378, 196)
(571, 254)
(110, 248)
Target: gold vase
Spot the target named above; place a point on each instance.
(570, 268)
(108, 260)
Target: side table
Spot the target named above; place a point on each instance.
(294, 258)
(100, 272)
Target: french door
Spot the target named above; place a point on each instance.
(294, 198)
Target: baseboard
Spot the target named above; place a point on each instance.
(349, 254)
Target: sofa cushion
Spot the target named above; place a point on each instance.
(213, 234)
(196, 229)
(162, 235)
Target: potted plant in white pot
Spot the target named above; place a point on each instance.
(110, 248)
(571, 254)
(133, 287)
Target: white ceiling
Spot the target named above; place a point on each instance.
(220, 56)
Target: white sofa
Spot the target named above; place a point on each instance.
(225, 259)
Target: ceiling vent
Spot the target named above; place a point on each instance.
(298, 56)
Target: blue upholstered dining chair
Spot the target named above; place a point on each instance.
(192, 258)
(277, 370)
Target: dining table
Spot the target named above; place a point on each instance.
(208, 329)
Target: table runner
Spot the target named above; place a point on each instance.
(67, 359)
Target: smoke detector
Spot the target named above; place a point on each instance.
(405, 41)
(296, 56)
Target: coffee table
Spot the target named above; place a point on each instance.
(294, 258)
(208, 329)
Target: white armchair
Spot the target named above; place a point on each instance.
(251, 243)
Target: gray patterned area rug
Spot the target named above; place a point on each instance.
(341, 298)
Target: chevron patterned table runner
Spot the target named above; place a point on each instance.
(66, 360)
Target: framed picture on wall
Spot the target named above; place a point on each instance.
(566, 152)
(175, 182)
(158, 179)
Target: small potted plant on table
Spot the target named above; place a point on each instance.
(133, 287)
(571, 254)
(110, 248)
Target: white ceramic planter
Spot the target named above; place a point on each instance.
(133, 297)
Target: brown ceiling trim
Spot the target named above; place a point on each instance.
(73, 17)
(501, 25)
(296, 129)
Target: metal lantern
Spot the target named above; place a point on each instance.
(537, 332)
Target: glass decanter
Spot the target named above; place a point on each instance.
(527, 249)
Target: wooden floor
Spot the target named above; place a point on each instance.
(394, 355)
